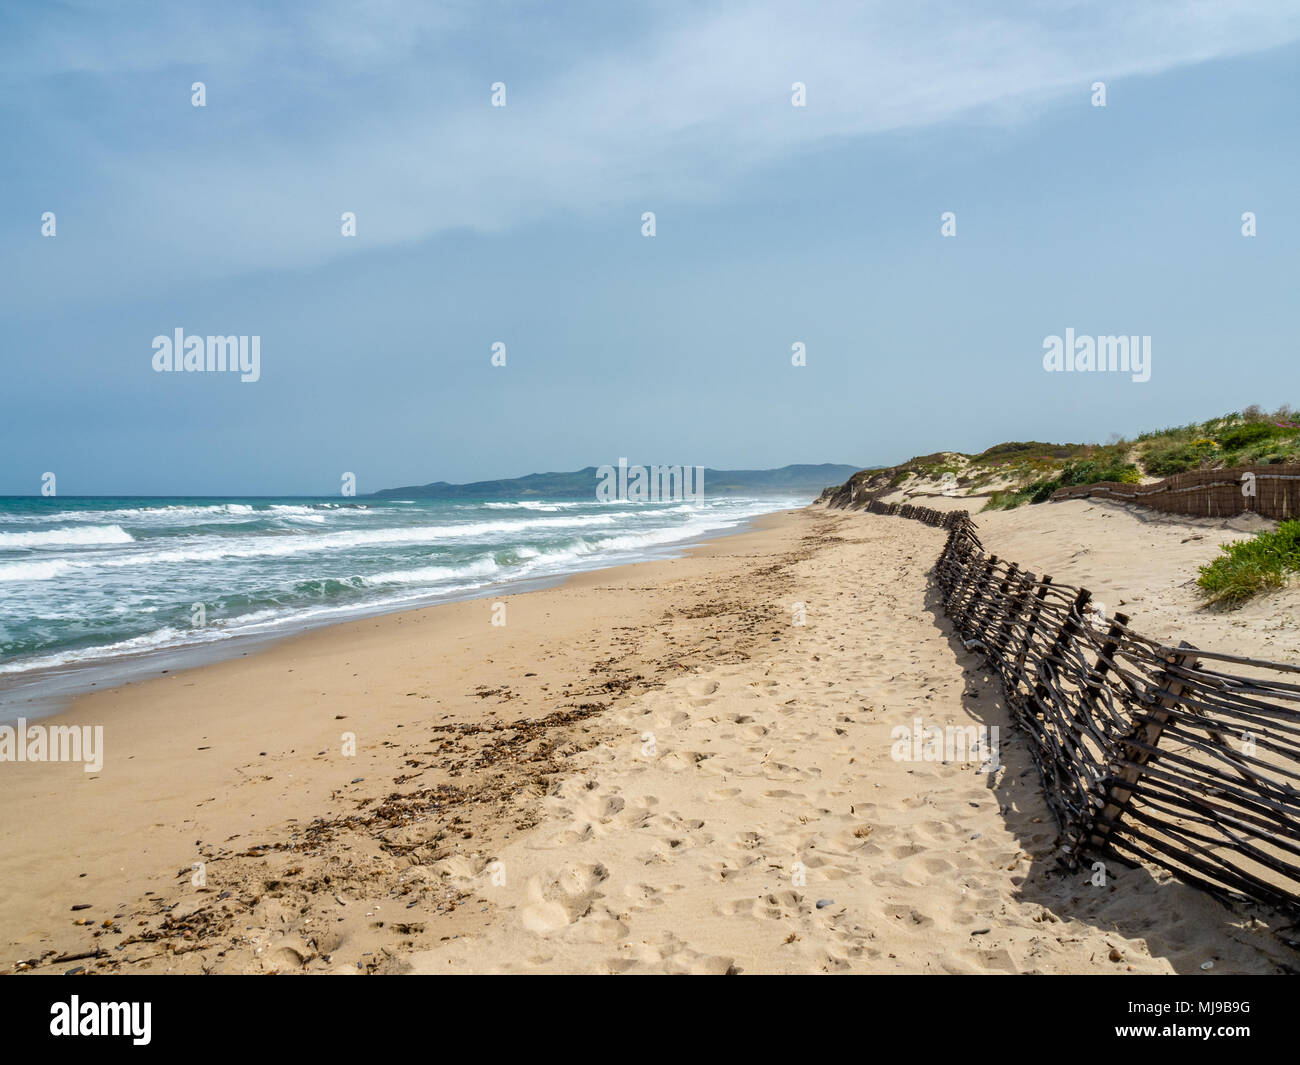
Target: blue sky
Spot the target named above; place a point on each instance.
(522, 224)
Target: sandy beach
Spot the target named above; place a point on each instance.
(647, 769)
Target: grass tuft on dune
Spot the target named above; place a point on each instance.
(1249, 567)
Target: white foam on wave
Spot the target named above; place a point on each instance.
(539, 504)
(33, 571)
(259, 622)
(264, 546)
(85, 535)
(173, 512)
(483, 567)
(302, 519)
(313, 508)
(183, 513)
(157, 640)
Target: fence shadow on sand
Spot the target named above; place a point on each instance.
(1177, 757)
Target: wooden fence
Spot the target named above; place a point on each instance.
(1178, 756)
(1273, 491)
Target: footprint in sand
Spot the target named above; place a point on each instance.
(557, 901)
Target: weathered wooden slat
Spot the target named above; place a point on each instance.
(1141, 748)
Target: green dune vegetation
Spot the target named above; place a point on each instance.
(1249, 567)
(1016, 473)
(1242, 438)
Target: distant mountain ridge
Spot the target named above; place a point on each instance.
(581, 484)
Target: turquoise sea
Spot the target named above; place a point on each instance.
(86, 581)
